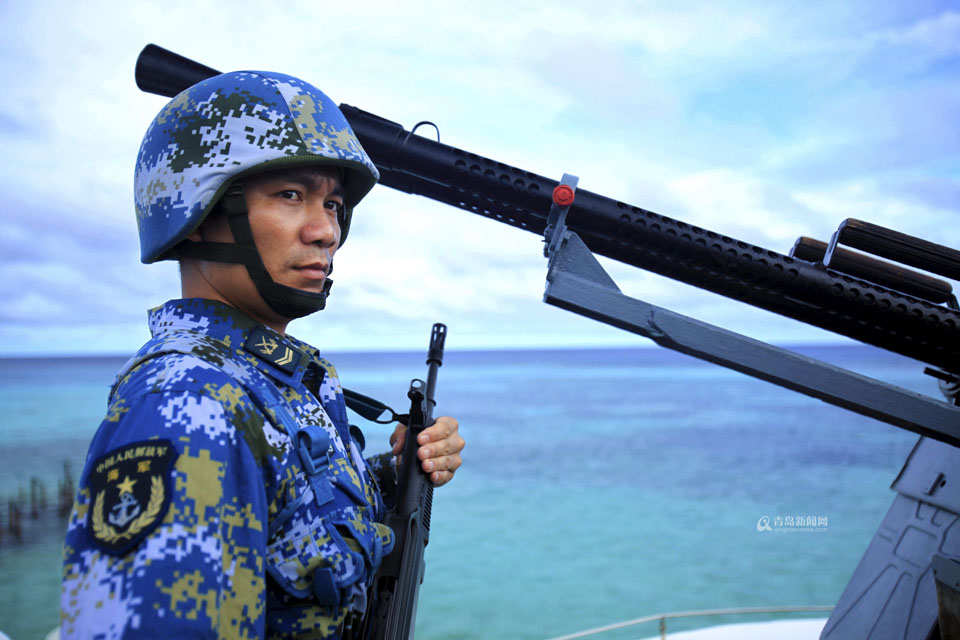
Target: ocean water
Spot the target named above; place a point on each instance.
(597, 486)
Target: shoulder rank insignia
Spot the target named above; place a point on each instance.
(130, 488)
(270, 348)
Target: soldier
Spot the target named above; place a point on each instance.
(224, 494)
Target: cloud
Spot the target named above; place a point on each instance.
(753, 210)
(937, 36)
(933, 193)
(12, 125)
(759, 122)
(877, 131)
(594, 81)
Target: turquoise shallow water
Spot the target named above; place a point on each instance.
(598, 486)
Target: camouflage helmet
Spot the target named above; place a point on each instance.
(229, 126)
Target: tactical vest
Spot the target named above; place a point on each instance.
(337, 565)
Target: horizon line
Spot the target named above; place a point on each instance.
(493, 349)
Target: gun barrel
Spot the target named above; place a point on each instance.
(745, 272)
(166, 73)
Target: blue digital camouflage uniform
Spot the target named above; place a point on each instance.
(222, 495)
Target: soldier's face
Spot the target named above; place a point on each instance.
(293, 217)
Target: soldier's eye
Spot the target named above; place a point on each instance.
(335, 205)
(289, 194)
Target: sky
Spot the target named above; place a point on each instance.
(761, 121)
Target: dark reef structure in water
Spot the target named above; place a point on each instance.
(29, 512)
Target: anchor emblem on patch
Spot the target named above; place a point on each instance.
(130, 489)
(121, 514)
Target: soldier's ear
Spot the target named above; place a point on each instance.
(214, 227)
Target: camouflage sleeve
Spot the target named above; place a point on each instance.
(168, 530)
(383, 468)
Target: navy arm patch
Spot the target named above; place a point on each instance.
(130, 492)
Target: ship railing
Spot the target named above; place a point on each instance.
(663, 617)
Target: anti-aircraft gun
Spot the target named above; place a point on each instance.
(862, 284)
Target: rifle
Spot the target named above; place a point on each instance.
(822, 284)
(393, 610)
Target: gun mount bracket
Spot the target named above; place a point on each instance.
(577, 282)
(901, 249)
(949, 384)
(563, 196)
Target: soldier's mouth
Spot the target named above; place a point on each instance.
(315, 271)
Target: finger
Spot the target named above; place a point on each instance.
(451, 445)
(440, 478)
(442, 463)
(397, 438)
(443, 428)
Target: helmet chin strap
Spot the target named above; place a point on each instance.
(286, 301)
